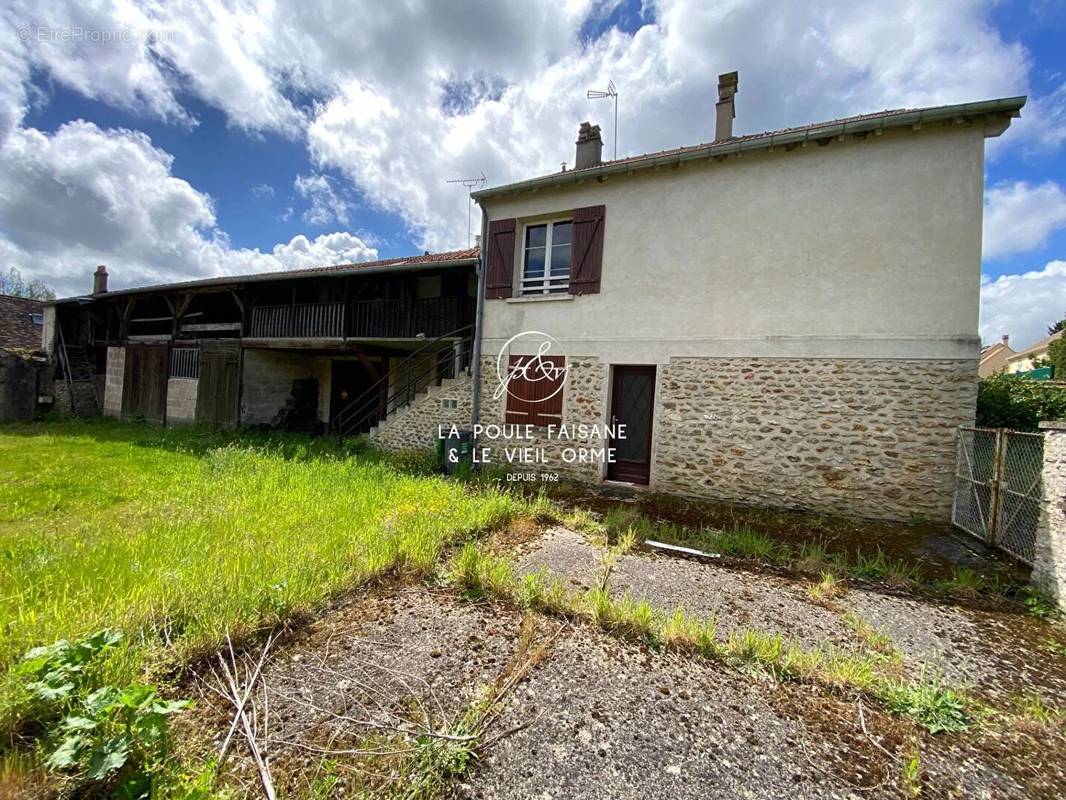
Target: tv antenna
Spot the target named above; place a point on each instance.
(469, 183)
(597, 94)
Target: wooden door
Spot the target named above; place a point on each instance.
(632, 405)
(218, 394)
(144, 384)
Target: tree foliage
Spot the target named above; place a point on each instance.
(12, 283)
(1021, 404)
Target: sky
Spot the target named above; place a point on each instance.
(183, 139)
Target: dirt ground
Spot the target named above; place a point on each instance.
(598, 716)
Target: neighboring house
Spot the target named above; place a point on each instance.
(994, 358)
(784, 319)
(22, 372)
(314, 349)
(21, 323)
(1026, 360)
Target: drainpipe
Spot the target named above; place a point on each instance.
(479, 316)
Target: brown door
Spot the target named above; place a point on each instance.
(218, 393)
(632, 405)
(144, 385)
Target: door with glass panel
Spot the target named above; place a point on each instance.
(632, 405)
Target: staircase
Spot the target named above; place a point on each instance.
(429, 392)
(79, 379)
(427, 371)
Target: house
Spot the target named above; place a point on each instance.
(785, 319)
(22, 373)
(1027, 360)
(330, 348)
(994, 358)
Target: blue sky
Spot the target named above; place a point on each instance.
(244, 138)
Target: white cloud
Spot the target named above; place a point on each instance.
(262, 190)
(85, 196)
(327, 204)
(1023, 305)
(1021, 216)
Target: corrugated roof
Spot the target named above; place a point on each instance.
(880, 120)
(450, 257)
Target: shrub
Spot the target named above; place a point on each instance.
(1021, 404)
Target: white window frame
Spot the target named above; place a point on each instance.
(546, 284)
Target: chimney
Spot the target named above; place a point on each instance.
(100, 280)
(589, 146)
(1006, 339)
(725, 110)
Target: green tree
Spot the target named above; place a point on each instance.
(12, 283)
(1056, 357)
(1021, 404)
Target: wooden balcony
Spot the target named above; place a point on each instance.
(405, 319)
(302, 321)
(366, 319)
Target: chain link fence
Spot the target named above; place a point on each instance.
(998, 488)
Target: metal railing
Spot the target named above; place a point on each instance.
(407, 318)
(300, 321)
(185, 362)
(447, 356)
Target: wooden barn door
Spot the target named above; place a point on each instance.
(218, 394)
(144, 385)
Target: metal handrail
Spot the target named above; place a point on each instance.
(369, 402)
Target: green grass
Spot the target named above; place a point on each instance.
(178, 537)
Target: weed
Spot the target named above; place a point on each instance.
(1056, 647)
(1031, 706)
(872, 567)
(939, 709)
(746, 543)
(911, 777)
(874, 639)
(965, 582)
(827, 590)
(755, 647)
(1040, 605)
(812, 557)
(688, 634)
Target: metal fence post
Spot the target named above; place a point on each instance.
(996, 486)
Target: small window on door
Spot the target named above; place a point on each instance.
(546, 258)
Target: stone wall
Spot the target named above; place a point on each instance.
(416, 425)
(861, 437)
(181, 400)
(116, 374)
(1049, 564)
(268, 378)
(78, 398)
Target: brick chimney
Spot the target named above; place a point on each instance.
(725, 110)
(589, 146)
(100, 280)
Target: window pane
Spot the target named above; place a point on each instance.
(536, 235)
(560, 233)
(560, 259)
(534, 263)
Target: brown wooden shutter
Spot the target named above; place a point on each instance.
(533, 405)
(586, 259)
(500, 266)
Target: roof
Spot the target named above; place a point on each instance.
(864, 123)
(1038, 347)
(445, 259)
(994, 349)
(17, 331)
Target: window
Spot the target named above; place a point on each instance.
(37, 319)
(546, 258)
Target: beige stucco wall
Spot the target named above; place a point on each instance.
(862, 249)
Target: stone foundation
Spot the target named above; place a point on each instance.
(416, 425)
(1049, 563)
(859, 437)
(181, 400)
